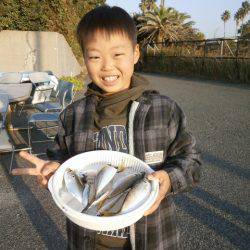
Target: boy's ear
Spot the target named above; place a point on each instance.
(136, 53)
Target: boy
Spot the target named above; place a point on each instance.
(120, 113)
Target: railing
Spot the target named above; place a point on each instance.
(229, 59)
(221, 47)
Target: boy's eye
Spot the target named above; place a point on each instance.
(94, 57)
(119, 54)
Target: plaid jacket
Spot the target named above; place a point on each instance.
(158, 125)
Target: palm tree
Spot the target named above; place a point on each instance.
(244, 10)
(225, 17)
(246, 30)
(164, 24)
(147, 5)
(246, 6)
(237, 19)
(241, 14)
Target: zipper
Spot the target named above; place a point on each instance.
(135, 106)
(133, 109)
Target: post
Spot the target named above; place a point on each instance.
(221, 48)
(204, 55)
(236, 59)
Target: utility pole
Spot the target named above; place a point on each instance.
(163, 3)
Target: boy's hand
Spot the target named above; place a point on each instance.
(43, 169)
(165, 185)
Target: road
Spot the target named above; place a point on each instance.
(215, 215)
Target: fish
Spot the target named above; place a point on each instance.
(112, 206)
(113, 190)
(123, 181)
(91, 210)
(74, 184)
(120, 182)
(137, 195)
(104, 176)
(91, 181)
(85, 195)
(70, 200)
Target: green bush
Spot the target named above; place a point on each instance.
(226, 69)
(78, 84)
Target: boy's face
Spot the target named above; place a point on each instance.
(110, 61)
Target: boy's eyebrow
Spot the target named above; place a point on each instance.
(115, 47)
(118, 46)
(92, 49)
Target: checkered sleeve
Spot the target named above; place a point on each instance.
(182, 161)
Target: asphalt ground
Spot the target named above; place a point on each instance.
(215, 215)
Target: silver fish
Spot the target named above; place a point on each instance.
(104, 176)
(69, 200)
(73, 184)
(137, 195)
(123, 181)
(112, 206)
(85, 195)
(91, 210)
(91, 181)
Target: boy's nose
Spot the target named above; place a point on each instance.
(107, 64)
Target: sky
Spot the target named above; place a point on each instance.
(205, 13)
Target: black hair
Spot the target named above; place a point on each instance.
(106, 19)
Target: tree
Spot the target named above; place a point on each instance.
(245, 30)
(162, 3)
(225, 17)
(246, 6)
(241, 14)
(237, 19)
(147, 5)
(164, 24)
(244, 10)
(45, 15)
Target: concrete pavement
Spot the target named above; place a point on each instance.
(214, 215)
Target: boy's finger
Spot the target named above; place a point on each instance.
(41, 181)
(152, 209)
(24, 171)
(31, 158)
(150, 177)
(155, 175)
(48, 169)
(155, 205)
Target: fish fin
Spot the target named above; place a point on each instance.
(99, 205)
(121, 167)
(106, 213)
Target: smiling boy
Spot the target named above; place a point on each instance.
(120, 112)
(110, 66)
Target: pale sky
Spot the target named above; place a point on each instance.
(205, 13)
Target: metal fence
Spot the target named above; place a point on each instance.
(227, 59)
(221, 48)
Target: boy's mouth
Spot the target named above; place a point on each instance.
(110, 78)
